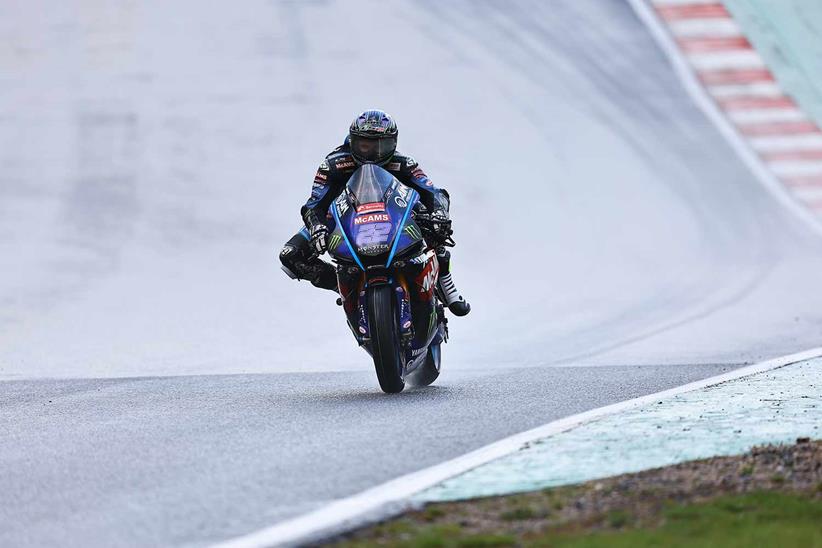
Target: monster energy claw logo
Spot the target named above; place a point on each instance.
(414, 232)
(334, 241)
(433, 321)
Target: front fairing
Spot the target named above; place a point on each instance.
(373, 222)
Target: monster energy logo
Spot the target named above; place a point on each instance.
(414, 232)
(334, 241)
(433, 321)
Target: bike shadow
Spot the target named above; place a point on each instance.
(410, 394)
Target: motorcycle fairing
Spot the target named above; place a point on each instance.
(372, 217)
(340, 211)
(374, 229)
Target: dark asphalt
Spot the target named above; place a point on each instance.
(191, 460)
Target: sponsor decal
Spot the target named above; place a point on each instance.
(432, 323)
(407, 324)
(323, 166)
(429, 183)
(403, 191)
(372, 218)
(374, 248)
(334, 241)
(393, 166)
(418, 174)
(415, 233)
(410, 162)
(363, 316)
(428, 277)
(417, 351)
(400, 202)
(320, 177)
(342, 205)
(371, 208)
(343, 164)
(373, 233)
(429, 280)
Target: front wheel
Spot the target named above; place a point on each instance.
(385, 347)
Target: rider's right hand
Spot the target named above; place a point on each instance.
(319, 238)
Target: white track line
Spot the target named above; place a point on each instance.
(700, 96)
(766, 115)
(796, 168)
(760, 89)
(746, 59)
(391, 498)
(696, 28)
(782, 143)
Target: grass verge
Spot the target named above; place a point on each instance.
(771, 496)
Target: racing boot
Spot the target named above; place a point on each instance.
(447, 290)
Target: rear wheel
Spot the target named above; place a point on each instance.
(385, 347)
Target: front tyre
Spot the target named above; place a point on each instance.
(385, 347)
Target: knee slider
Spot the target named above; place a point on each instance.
(287, 258)
(287, 254)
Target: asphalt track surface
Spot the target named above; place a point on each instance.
(163, 383)
(187, 460)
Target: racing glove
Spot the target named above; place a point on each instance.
(318, 232)
(436, 226)
(319, 238)
(441, 224)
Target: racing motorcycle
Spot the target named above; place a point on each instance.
(387, 276)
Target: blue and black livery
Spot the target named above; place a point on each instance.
(386, 277)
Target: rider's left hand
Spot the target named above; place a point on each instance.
(441, 223)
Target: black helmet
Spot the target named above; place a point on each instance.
(373, 137)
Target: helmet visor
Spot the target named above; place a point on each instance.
(373, 150)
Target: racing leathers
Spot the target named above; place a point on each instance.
(299, 256)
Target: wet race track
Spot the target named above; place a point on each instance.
(162, 382)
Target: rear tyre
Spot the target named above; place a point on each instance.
(385, 347)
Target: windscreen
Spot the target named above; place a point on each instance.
(368, 184)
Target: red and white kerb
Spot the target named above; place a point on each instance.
(736, 77)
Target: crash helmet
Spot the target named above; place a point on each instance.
(373, 137)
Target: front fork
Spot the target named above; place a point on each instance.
(405, 323)
(353, 283)
(414, 282)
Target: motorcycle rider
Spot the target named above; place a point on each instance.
(372, 139)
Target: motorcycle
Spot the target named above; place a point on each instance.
(387, 277)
